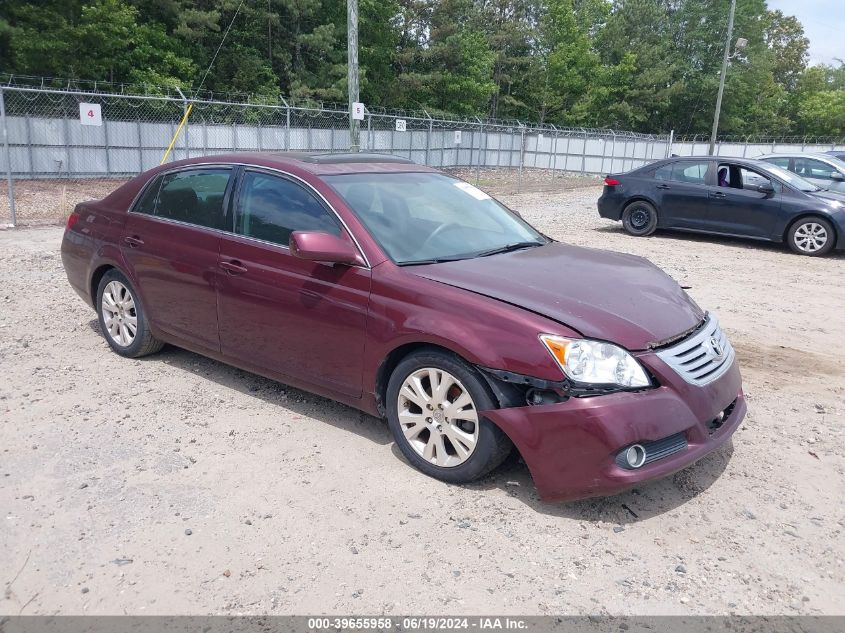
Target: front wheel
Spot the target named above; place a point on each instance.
(811, 236)
(639, 218)
(433, 405)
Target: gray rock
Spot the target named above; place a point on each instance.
(681, 569)
(188, 532)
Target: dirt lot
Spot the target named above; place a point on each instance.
(175, 484)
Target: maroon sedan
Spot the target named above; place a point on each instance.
(412, 295)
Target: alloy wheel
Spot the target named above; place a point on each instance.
(810, 237)
(438, 417)
(119, 314)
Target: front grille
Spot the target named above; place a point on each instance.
(656, 450)
(702, 357)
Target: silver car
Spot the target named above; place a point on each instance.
(823, 170)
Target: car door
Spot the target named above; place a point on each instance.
(820, 173)
(170, 244)
(681, 194)
(282, 314)
(737, 207)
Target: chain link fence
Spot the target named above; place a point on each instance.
(62, 145)
(754, 145)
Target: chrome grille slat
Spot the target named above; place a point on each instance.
(694, 358)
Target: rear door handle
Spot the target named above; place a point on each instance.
(663, 187)
(133, 241)
(233, 267)
(717, 194)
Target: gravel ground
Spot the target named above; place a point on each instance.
(175, 484)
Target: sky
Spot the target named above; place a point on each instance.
(824, 24)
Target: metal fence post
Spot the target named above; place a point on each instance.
(584, 154)
(9, 184)
(287, 123)
(428, 138)
(612, 151)
(185, 127)
(369, 130)
(106, 143)
(478, 155)
(669, 146)
(553, 157)
(140, 146)
(521, 155)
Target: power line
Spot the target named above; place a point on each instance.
(213, 59)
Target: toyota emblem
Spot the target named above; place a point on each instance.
(716, 347)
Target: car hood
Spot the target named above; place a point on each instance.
(600, 294)
(830, 196)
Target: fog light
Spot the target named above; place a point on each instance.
(635, 456)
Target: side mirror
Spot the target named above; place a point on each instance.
(837, 176)
(766, 188)
(323, 247)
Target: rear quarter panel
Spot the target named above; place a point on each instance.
(94, 240)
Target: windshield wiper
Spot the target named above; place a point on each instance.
(438, 260)
(507, 248)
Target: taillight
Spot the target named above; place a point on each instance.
(611, 182)
(72, 219)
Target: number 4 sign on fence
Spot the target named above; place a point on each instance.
(90, 114)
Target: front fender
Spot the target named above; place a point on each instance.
(406, 309)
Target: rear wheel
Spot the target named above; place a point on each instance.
(433, 405)
(123, 321)
(639, 218)
(811, 236)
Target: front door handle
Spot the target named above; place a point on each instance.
(663, 187)
(233, 267)
(133, 241)
(717, 194)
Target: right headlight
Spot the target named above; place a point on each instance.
(595, 362)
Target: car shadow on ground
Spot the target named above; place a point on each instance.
(512, 476)
(291, 399)
(716, 240)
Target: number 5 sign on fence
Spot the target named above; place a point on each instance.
(90, 114)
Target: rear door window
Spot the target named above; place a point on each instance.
(270, 208)
(147, 202)
(814, 169)
(194, 196)
(693, 172)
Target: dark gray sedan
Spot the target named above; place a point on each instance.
(726, 196)
(823, 170)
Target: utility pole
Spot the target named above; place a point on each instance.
(352, 71)
(722, 79)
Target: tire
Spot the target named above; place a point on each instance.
(446, 459)
(119, 309)
(812, 236)
(639, 218)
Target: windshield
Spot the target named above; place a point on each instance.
(428, 217)
(791, 179)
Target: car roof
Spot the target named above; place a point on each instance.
(318, 163)
(819, 155)
(733, 159)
